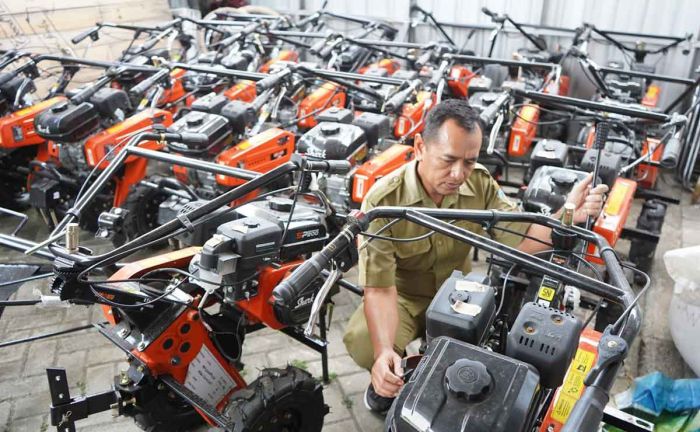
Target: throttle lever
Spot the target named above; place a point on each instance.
(611, 349)
(320, 299)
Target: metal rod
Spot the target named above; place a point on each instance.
(193, 163)
(45, 336)
(27, 279)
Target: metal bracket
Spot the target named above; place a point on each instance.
(624, 421)
(64, 410)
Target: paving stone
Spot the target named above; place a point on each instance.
(339, 366)
(366, 420)
(33, 405)
(5, 408)
(335, 399)
(341, 426)
(256, 342)
(354, 383)
(107, 354)
(41, 354)
(12, 369)
(22, 386)
(31, 424)
(82, 341)
(99, 378)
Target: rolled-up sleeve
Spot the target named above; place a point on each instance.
(496, 199)
(377, 261)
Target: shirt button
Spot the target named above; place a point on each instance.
(439, 242)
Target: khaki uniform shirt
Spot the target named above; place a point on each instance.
(419, 268)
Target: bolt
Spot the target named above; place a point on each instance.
(140, 369)
(124, 380)
(612, 344)
(141, 346)
(175, 361)
(123, 333)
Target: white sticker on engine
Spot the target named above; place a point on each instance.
(207, 378)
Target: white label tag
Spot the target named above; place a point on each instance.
(207, 378)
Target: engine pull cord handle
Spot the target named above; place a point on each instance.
(602, 130)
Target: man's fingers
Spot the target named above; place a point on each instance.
(599, 189)
(398, 370)
(586, 181)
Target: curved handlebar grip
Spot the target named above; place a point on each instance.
(399, 98)
(488, 12)
(424, 59)
(271, 81)
(488, 115)
(288, 290)
(329, 166)
(326, 50)
(92, 32)
(141, 88)
(672, 150)
(191, 138)
(588, 411)
(317, 46)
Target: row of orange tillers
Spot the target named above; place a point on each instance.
(243, 142)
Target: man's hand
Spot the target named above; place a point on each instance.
(588, 201)
(387, 373)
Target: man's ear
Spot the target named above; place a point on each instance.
(419, 146)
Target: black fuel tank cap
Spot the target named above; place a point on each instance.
(468, 379)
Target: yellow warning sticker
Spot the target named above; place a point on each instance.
(547, 293)
(616, 198)
(573, 385)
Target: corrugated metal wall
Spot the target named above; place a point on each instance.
(670, 17)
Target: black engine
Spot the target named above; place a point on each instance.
(549, 187)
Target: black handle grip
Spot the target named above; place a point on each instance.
(399, 98)
(326, 51)
(286, 292)
(271, 81)
(317, 46)
(488, 12)
(141, 88)
(92, 32)
(602, 130)
(488, 115)
(424, 59)
(588, 411)
(329, 166)
(672, 150)
(191, 138)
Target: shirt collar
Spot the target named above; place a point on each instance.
(414, 192)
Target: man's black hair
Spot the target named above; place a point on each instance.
(458, 110)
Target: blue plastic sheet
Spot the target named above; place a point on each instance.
(655, 393)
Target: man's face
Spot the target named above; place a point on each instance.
(448, 159)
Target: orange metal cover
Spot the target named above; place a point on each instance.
(96, 145)
(261, 153)
(570, 391)
(647, 174)
(614, 215)
(412, 118)
(459, 80)
(523, 131)
(651, 98)
(22, 122)
(284, 55)
(374, 169)
(325, 96)
(243, 90)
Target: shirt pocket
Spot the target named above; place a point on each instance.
(414, 255)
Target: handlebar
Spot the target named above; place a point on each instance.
(596, 106)
(672, 150)
(272, 80)
(399, 98)
(141, 88)
(92, 32)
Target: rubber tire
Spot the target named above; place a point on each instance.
(273, 395)
(142, 216)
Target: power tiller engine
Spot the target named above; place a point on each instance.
(361, 140)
